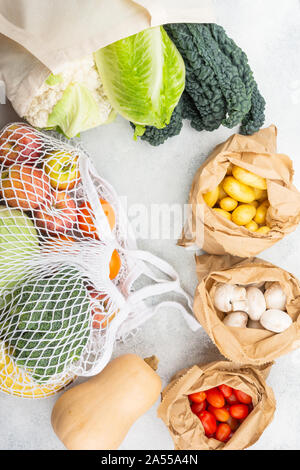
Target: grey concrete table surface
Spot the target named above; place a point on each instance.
(269, 32)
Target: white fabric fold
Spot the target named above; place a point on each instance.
(38, 37)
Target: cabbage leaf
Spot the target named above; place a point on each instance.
(143, 77)
(76, 111)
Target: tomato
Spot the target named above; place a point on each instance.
(198, 407)
(208, 422)
(100, 317)
(232, 400)
(226, 390)
(221, 414)
(233, 423)
(86, 218)
(223, 432)
(98, 323)
(243, 397)
(239, 411)
(215, 398)
(114, 265)
(197, 397)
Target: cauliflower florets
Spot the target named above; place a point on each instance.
(81, 71)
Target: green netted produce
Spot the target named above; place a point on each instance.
(44, 322)
(18, 244)
(220, 88)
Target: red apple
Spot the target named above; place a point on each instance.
(25, 187)
(19, 144)
(59, 217)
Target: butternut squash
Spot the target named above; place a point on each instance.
(97, 414)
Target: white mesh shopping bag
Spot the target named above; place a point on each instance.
(68, 266)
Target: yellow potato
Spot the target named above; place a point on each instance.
(222, 193)
(229, 170)
(264, 230)
(223, 213)
(265, 203)
(246, 177)
(260, 194)
(228, 204)
(252, 226)
(261, 213)
(211, 197)
(255, 204)
(243, 214)
(237, 190)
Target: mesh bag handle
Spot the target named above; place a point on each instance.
(162, 286)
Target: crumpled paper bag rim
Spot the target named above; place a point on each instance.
(256, 153)
(175, 403)
(245, 345)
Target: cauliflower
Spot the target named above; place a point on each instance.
(73, 99)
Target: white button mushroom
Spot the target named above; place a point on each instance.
(256, 303)
(276, 320)
(240, 305)
(226, 294)
(275, 297)
(236, 319)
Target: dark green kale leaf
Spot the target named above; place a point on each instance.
(201, 83)
(255, 119)
(156, 136)
(45, 322)
(238, 103)
(220, 88)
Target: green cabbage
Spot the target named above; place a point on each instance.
(76, 111)
(18, 243)
(45, 322)
(143, 77)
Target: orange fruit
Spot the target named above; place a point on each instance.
(86, 218)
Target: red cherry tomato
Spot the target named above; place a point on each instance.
(215, 398)
(239, 411)
(198, 407)
(233, 423)
(243, 397)
(223, 432)
(225, 390)
(198, 397)
(208, 422)
(221, 414)
(232, 400)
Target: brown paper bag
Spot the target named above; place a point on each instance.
(257, 154)
(245, 345)
(36, 38)
(186, 428)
